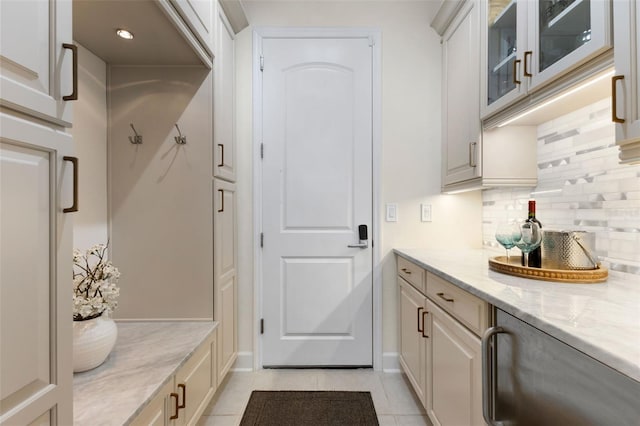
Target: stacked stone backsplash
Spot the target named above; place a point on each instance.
(581, 186)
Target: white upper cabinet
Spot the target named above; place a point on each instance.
(224, 152)
(528, 44)
(565, 34)
(626, 82)
(461, 131)
(198, 14)
(36, 75)
(504, 33)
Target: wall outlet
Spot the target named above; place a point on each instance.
(425, 212)
(391, 212)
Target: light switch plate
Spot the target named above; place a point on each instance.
(391, 212)
(425, 212)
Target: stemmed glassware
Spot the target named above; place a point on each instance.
(530, 239)
(507, 234)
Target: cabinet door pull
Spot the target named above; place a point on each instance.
(406, 271)
(614, 100)
(472, 154)
(527, 66)
(175, 406)
(74, 206)
(424, 326)
(419, 329)
(184, 395)
(221, 209)
(74, 94)
(445, 298)
(221, 155)
(515, 68)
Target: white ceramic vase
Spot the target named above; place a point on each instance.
(93, 340)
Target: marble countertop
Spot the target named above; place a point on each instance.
(145, 357)
(601, 320)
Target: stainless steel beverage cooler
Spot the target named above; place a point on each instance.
(531, 378)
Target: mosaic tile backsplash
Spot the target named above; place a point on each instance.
(581, 186)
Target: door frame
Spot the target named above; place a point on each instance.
(374, 37)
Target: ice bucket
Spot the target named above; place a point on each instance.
(569, 250)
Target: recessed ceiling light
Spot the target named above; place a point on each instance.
(124, 34)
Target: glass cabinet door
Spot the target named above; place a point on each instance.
(502, 43)
(564, 25)
(566, 33)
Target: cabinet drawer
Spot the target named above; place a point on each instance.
(412, 273)
(467, 308)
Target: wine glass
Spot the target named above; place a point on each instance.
(507, 234)
(530, 239)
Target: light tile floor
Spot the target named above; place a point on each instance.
(394, 401)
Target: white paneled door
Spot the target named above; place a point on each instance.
(317, 193)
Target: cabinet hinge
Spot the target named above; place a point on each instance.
(262, 239)
(261, 63)
(261, 325)
(261, 150)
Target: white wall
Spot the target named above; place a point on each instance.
(160, 193)
(410, 164)
(90, 139)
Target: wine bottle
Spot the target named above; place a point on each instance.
(535, 257)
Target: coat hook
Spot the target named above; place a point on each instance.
(180, 140)
(137, 139)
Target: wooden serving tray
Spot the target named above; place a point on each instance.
(577, 276)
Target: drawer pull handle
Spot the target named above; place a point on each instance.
(420, 330)
(614, 99)
(176, 407)
(424, 328)
(445, 298)
(406, 271)
(184, 395)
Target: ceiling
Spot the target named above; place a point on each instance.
(156, 41)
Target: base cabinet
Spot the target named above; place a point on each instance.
(413, 346)
(155, 414)
(440, 347)
(453, 386)
(183, 399)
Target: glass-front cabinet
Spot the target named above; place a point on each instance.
(505, 38)
(529, 43)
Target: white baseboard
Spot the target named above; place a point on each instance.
(244, 362)
(390, 362)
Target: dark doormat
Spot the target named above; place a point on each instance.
(309, 408)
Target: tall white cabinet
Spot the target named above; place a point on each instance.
(36, 206)
(224, 177)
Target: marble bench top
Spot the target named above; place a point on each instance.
(145, 357)
(601, 320)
